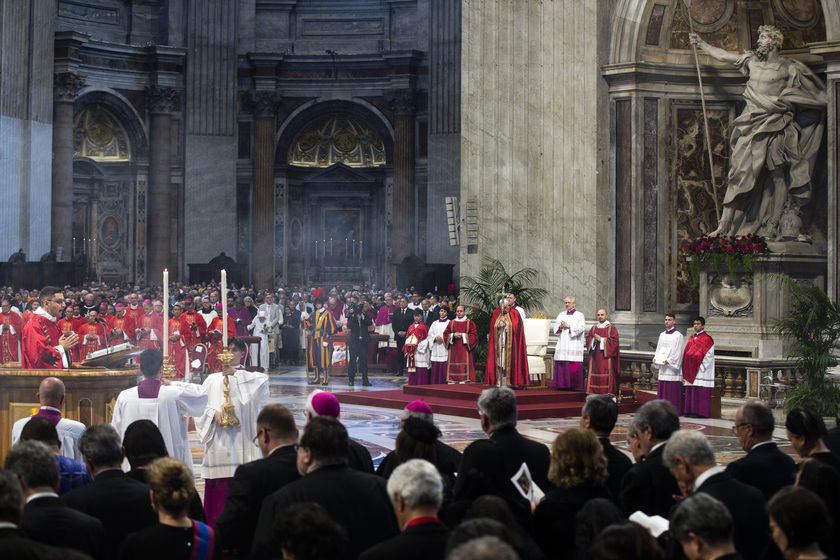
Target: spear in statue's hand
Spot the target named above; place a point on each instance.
(705, 116)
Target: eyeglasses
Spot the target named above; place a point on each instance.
(259, 433)
(480, 412)
(737, 427)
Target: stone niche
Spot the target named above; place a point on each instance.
(740, 311)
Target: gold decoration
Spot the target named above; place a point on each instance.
(99, 135)
(168, 369)
(539, 315)
(109, 410)
(229, 419)
(337, 139)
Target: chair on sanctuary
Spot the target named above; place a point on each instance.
(536, 342)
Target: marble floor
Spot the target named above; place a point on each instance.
(377, 428)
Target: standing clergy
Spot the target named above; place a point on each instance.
(416, 335)
(568, 356)
(460, 337)
(507, 357)
(177, 346)
(166, 403)
(11, 326)
(44, 344)
(226, 446)
(214, 339)
(439, 354)
(698, 372)
(321, 325)
(123, 327)
(387, 350)
(668, 356)
(92, 334)
(602, 341)
(149, 328)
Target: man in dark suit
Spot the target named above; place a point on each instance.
(121, 503)
(416, 491)
(277, 437)
(46, 518)
(429, 316)
(600, 414)
(321, 403)
(764, 466)
(400, 321)
(690, 458)
(357, 343)
(649, 487)
(356, 500)
(703, 527)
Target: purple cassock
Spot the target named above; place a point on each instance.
(244, 319)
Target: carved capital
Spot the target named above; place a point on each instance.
(265, 103)
(162, 99)
(66, 86)
(404, 101)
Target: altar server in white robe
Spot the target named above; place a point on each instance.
(262, 328)
(227, 447)
(568, 355)
(668, 356)
(440, 354)
(166, 403)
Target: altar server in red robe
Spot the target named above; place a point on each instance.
(11, 325)
(460, 337)
(507, 357)
(602, 341)
(44, 345)
(92, 335)
(417, 333)
(698, 372)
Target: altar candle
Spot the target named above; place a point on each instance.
(360, 250)
(345, 247)
(331, 246)
(165, 313)
(224, 311)
(74, 246)
(316, 248)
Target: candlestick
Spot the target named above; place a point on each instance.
(224, 311)
(345, 247)
(165, 314)
(360, 250)
(74, 246)
(316, 248)
(331, 245)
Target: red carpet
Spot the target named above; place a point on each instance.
(461, 400)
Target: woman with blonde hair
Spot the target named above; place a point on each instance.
(579, 471)
(176, 536)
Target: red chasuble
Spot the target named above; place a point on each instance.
(177, 351)
(417, 333)
(40, 337)
(151, 321)
(214, 339)
(92, 343)
(9, 341)
(695, 350)
(603, 364)
(515, 353)
(124, 323)
(460, 367)
(192, 336)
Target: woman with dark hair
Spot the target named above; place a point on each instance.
(627, 541)
(176, 536)
(579, 471)
(798, 520)
(806, 430)
(824, 481)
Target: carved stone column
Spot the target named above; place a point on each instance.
(265, 111)
(66, 88)
(404, 102)
(162, 102)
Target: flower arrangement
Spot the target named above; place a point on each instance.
(734, 251)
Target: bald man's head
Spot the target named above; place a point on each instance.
(51, 392)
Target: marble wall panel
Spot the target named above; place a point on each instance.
(623, 204)
(650, 241)
(800, 21)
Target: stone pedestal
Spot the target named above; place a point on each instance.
(740, 311)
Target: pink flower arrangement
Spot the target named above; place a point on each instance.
(730, 248)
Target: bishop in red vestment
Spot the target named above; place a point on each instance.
(602, 342)
(460, 338)
(11, 325)
(507, 357)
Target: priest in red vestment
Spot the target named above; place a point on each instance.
(11, 325)
(123, 326)
(507, 357)
(214, 339)
(149, 329)
(92, 335)
(460, 338)
(417, 333)
(177, 354)
(44, 345)
(602, 342)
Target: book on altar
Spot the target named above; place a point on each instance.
(524, 483)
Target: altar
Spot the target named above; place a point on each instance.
(90, 397)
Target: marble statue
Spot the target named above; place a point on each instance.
(774, 141)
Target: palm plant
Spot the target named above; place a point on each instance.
(480, 296)
(814, 327)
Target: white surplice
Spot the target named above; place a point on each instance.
(167, 411)
(570, 342)
(439, 351)
(670, 347)
(227, 448)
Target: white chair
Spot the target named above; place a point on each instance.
(536, 342)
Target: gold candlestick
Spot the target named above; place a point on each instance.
(229, 419)
(168, 369)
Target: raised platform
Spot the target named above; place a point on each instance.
(461, 400)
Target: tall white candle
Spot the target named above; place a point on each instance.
(165, 313)
(224, 311)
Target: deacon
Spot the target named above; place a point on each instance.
(507, 358)
(11, 326)
(321, 324)
(124, 328)
(44, 345)
(164, 402)
(568, 356)
(698, 372)
(226, 445)
(668, 356)
(602, 342)
(439, 354)
(416, 335)
(92, 334)
(460, 336)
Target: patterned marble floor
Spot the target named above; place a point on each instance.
(377, 428)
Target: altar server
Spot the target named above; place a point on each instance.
(568, 356)
(439, 354)
(698, 372)
(668, 356)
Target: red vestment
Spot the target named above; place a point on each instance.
(460, 367)
(126, 324)
(8, 341)
(603, 364)
(92, 343)
(192, 336)
(177, 348)
(415, 334)
(695, 352)
(136, 313)
(40, 338)
(214, 339)
(68, 326)
(151, 321)
(514, 356)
